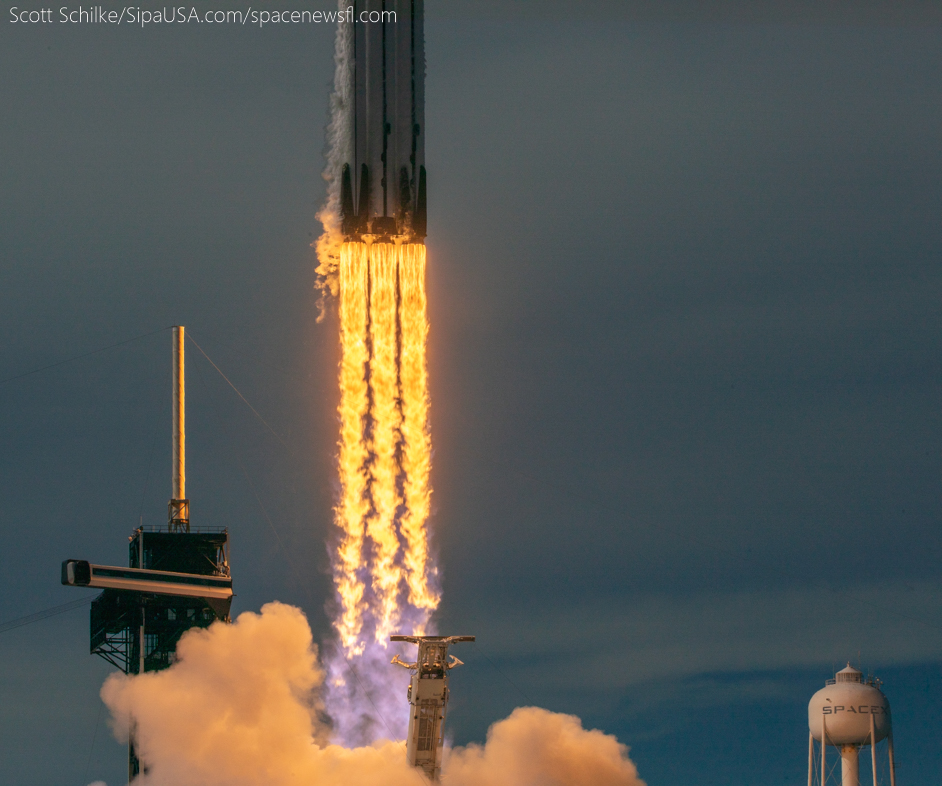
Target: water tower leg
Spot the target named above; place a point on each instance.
(810, 757)
(824, 748)
(850, 766)
(892, 763)
(873, 750)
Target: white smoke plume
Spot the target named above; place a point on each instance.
(240, 707)
(337, 152)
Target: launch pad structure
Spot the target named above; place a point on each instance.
(428, 699)
(177, 578)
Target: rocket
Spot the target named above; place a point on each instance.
(382, 188)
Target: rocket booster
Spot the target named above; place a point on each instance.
(382, 191)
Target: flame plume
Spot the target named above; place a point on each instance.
(354, 402)
(416, 441)
(383, 570)
(384, 384)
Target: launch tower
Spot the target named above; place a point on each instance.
(428, 699)
(177, 579)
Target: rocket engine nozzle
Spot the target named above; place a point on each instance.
(409, 225)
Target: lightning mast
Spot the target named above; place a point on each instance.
(428, 699)
(178, 510)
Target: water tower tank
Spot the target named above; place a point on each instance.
(848, 713)
(844, 707)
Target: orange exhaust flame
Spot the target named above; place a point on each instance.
(416, 441)
(384, 442)
(384, 384)
(354, 401)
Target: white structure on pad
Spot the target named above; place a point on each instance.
(428, 699)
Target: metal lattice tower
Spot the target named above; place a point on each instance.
(177, 579)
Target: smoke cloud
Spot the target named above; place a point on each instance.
(241, 706)
(536, 747)
(337, 151)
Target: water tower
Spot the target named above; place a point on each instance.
(849, 713)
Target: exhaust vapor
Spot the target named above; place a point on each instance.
(328, 244)
(241, 706)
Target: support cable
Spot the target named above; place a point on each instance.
(88, 763)
(281, 544)
(248, 480)
(85, 355)
(29, 619)
(238, 392)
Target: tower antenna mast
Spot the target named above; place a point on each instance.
(178, 510)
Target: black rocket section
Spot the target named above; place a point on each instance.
(348, 218)
(383, 183)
